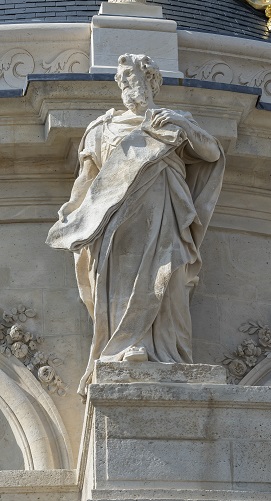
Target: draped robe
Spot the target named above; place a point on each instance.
(136, 236)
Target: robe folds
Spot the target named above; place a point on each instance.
(136, 233)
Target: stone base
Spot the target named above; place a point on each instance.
(136, 29)
(155, 372)
(173, 440)
(131, 9)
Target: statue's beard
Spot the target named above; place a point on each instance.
(134, 97)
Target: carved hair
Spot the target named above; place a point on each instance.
(147, 66)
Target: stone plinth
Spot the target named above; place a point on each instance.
(154, 372)
(174, 440)
(133, 28)
(131, 9)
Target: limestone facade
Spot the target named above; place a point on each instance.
(47, 100)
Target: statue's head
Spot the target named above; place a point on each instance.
(137, 76)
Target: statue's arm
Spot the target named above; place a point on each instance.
(200, 142)
(88, 172)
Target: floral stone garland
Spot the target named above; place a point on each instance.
(17, 341)
(250, 352)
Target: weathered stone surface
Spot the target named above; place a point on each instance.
(183, 495)
(129, 372)
(234, 286)
(58, 485)
(138, 27)
(138, 9)
(41, 48)
(184, 436)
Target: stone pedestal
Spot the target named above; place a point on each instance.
(133, 28)
(174, 440)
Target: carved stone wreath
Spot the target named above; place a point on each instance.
(25, 346)
(250, 352)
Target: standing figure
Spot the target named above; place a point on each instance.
(148, 183)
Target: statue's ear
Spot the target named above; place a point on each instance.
(145, 60)
(122, 59)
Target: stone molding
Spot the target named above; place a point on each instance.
(56, 485)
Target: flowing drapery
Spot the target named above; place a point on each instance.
(136, 236)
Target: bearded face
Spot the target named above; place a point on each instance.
(134, 87)
(137, 96)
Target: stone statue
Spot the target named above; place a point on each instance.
(148, 183)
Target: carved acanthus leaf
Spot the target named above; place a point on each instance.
(215, 71)
(250, 352)
(16, 340)
(69, 61)
(15, 65)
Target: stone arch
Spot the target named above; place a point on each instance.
(260, 375)
(33, 417)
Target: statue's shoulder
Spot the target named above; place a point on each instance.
(93, 130)
(102, 119)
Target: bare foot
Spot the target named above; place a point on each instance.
(135, 355)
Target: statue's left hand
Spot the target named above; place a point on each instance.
(164, 116)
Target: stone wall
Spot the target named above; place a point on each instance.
(234, 288)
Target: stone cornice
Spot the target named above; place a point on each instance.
(214, 44)
(41, 32)
(231, 60)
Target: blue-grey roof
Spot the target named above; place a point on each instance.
(225, 17)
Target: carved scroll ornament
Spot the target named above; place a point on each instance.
(261, 79)
(213, 70)
(15, 65)
(68, 61)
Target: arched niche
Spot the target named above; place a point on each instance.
(33, 418)
(260, 375)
